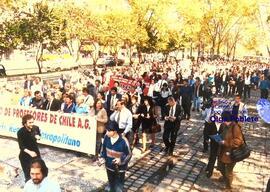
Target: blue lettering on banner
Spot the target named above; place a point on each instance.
(62, 139)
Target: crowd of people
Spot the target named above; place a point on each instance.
(164, 92)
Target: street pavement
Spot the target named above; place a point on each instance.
(152, 171)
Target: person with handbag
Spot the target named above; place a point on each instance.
(232, 139)
(147, 119)
(136, 119)
(171, 125)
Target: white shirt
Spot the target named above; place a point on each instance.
(247, 80)
(36, 87)
(150, 90)
(125, 121)
(113, 140)
(46, 185)
(165, 94)
(89, 100)
(172, 111)
(207, 113)
(161, 82)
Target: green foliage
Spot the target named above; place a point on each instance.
(150, 26)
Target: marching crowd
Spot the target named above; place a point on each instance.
(164, 92)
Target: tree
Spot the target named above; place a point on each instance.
(222, 16)
(8, 37)
(42, 27)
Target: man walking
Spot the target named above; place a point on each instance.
(117, 153)
(123, 117)
(171, 125)
(27, 140)
(186, 95)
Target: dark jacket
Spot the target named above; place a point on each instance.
(108, 100)
(120, 149)
(186, 93)
(200, 94)
(38, 104)
(147, 123)
(27, 140)
(55, 106)
(177, 114)
(26, 83)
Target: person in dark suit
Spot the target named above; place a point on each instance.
(147, 120)
(111, 100)
(135, 108)
(28, 83)
(52, 104)
(171, 125)
(186, 94)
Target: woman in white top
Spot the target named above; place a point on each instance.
(165, 93)
(247, 85)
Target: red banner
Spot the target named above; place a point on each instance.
(127, 84)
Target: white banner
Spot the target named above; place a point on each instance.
(63, 130)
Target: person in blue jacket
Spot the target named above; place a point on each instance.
(117, 153)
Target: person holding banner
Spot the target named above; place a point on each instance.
(117, 154)
(28, 144)
(69, 106)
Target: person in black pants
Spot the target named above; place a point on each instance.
(186, 94)
(27, 139)
(209, 129)
(171, 125)
(136, 119)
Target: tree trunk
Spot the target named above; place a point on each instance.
(218, 48)
(95, 54)
(268, 50)
(227, 49)
(129, 53)
(234, 50)
(69, 46)
(139, 55)
(39, 55)
(212, 51)
(199, 52)
(166, 57)
(190, 54)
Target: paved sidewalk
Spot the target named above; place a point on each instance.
(151, 172)
(185, 170)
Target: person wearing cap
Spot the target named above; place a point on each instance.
(117, 154)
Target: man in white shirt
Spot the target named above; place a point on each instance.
(247, 86)
(39, 181)
(123, 117)
(37, 86)
(171, 125)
